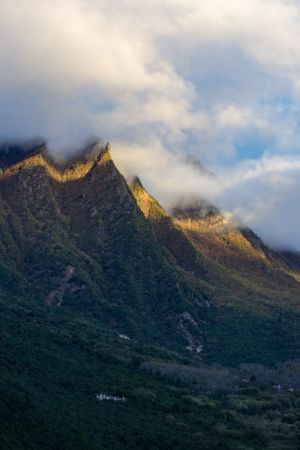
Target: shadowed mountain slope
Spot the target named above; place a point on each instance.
(234, 246)
(254, 292)
(75, 238)
(78, 237)
(168, 233)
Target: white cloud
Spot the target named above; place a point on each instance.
(234, 117)
(144, 59)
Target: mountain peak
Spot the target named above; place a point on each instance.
(197, 209)
(135, 181)
(16, 158)
(13, 152)
(148, 205)
(194, 162)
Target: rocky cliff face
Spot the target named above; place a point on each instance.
(78, 237)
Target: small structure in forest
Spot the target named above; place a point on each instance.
(115, 398)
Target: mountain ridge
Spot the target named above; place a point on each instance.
(86, 213)
(61, 172)
(84, 217)
(246, 282)
(105, 295)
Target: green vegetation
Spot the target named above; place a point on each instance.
(54, 363)
(97, 296)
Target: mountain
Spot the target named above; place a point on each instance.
(252, 290)
(116, 313)
(74, 237)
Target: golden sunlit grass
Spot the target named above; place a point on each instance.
(148, 205)
(75, 171)
(295, 275)
(222, 233)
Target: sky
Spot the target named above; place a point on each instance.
(160, 80)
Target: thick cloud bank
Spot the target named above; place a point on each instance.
(160, 79)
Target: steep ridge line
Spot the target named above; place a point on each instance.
(136, 269)
(96, 155)
(211, 241)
